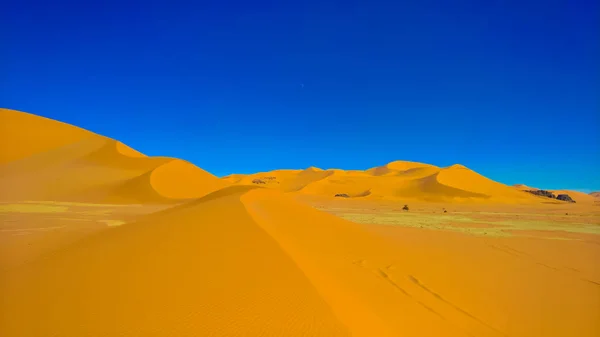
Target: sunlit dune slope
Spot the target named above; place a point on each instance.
(464, 179)
(23, 135)
(396, 180)
(205, 269)
(522, 187)
(248, 261)
(42, 159)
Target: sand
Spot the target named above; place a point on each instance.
(49, 160)
(398, 181)
(97, 239)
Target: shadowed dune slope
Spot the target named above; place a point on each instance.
(42, 159)
(397, 180)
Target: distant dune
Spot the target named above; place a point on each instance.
(579, 197)
(42, 159)
(398, 180)
(524, 187)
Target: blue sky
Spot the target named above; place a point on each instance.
(507, 88)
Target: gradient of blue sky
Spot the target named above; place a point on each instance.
(507, 88)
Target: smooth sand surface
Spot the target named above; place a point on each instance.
(97, 239)
(49, 160)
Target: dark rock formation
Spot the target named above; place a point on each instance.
(258, 181)
(342, 195)
(565, 197)
(543, 193)
(548, 194)
(405, 208)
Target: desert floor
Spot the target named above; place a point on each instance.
(476, 270)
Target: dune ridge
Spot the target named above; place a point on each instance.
(398, 180)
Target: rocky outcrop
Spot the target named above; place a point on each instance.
(542, 193)
(342, 195)
(564, 197)
(258, 181)
(548, 194)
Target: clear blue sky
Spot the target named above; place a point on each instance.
(507, 88)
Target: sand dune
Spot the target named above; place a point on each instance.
(202, 269)
(523, 187)
(248, 261)
(399, 180)
(241, 256)
(23, 135)
(44, 159)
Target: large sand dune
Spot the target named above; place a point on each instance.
(202, 256)
(399, 180)
(42, 159)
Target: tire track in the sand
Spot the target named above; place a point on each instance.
(380, 272)
(590, 281)
(439, 297)
(507, 250)
(525, 256)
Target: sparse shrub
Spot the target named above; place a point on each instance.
(405, 208)
(258, 181)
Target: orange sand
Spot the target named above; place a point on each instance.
(216, 259)
(49, 160)
(396, 181)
